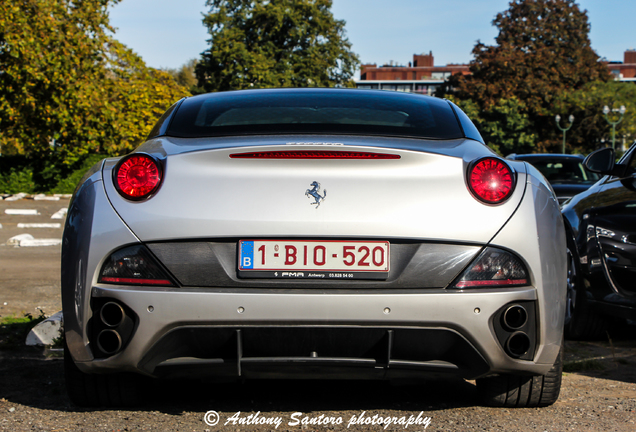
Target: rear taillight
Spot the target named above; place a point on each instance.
(494, 268)
(137, 176)
(491, 180)
(133, 265)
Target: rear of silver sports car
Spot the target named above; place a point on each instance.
(315, 256)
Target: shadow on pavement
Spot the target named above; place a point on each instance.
(40, 383)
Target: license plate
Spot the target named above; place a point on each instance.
(313, 259)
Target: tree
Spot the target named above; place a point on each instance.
(274, 43)
(591, 130)
(67, 88)
(185, 76)
(542, 52)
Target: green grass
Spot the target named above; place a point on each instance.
(14, 330)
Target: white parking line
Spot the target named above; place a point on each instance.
(60, 214)
(39, 225)
(42, 197)
(21, 212)
(15, 197)
(27, 240)
(40, 242)
(15, 240)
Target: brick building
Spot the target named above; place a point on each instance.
(626, 70)
(422, 76)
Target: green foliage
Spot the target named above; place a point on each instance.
(15, 175)
(186, 77)
(506, 127)
(14, 330)
(591, 130)
(67, 183)
(542, 52)
(274, 43)
(67, 88)
(137, 97)
(21, 174)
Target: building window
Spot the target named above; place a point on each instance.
(440, 75)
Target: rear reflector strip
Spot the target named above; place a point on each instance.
(313, 154)
(487, 283)
(134, 281)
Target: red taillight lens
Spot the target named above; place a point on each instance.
(137, 176)
(491, 180)
(313, 154)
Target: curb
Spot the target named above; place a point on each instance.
(46, 332)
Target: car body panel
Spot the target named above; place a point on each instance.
(440, 309)
(413, 264)
(548, 236)
(92, 229)
(415, 197)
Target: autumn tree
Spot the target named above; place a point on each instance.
(67, 88)
(542, 52)
(274, 43)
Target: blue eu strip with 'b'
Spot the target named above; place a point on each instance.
(247, 254)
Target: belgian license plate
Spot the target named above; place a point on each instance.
(313, 259)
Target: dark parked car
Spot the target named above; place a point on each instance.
(601, 228)
(565, 172)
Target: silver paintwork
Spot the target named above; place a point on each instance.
(437, 309)
(206, 194)
(422, 196)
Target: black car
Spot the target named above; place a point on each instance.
(565, 172)
(601, 230)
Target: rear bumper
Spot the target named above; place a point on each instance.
(254, 333)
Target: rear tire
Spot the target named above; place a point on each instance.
(105, 390)
(581, 320)
(520, 391)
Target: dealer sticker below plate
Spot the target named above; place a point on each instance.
(313, 259)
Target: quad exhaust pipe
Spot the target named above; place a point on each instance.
(112, 314)
(515, 317)
(517, 344)
(113, 328)
(109, 341)
(514, 321)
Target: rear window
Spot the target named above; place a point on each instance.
(315, 111)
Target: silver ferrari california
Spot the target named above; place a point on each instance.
(314, 233)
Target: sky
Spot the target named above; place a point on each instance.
(168, 33)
